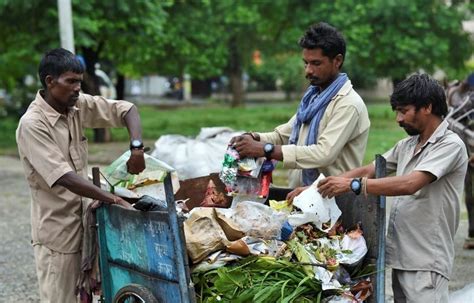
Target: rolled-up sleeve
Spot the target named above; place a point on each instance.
(446, 157)
(280, 135)
(41, 152)
(330, 142)
(98, 112)
(391, 158)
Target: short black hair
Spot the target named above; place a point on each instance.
(420, 90)
(56, 62)
(327, 38)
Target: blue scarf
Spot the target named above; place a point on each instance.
(311, 110)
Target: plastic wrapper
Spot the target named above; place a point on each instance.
(282, 206)
(215, 260)
(242, 176)
(230, 167)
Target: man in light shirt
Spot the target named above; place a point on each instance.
(329, 132)
(53, 150)
(429, 168)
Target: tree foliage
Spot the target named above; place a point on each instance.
(207, 38)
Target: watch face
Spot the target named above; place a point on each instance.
(268, 147)
(136, 143)
(355, 185)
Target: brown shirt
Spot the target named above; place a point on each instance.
(342, 138)
(421, 228)
(50, 145)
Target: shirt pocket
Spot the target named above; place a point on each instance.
(78, 154)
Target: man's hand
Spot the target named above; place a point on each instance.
(295, 192)
(121, 202)
(334, 186)
(247, 146)
(136, 162)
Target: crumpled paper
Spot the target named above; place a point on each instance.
(315, 209)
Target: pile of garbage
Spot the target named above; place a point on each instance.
(281, 252)
(253, 251)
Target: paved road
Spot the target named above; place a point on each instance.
(17, 273)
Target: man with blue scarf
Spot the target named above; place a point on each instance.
(329, 132)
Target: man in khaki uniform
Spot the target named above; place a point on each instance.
(329, 132)
(430, 166)
(53, 150)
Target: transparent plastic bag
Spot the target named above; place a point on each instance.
(258, 220)
(148, 182)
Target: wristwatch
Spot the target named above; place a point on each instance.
(268, 149)
(356, 185)
(136, 144)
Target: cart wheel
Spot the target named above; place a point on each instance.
(135, 293)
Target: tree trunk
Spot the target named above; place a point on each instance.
(120, 87)
(91, 86)
(237, 88)
(235, 73)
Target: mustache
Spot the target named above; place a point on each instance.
(312, 78)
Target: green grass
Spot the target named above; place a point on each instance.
(188, 121)
(384, 131)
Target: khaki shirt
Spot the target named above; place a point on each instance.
(422, 226)
(341, 143)
(50, 145)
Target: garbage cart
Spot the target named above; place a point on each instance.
(143, 254)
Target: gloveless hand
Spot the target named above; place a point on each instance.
(136, 162)
(121, 202)
(294, 193)
(247, 146)
(334, 186)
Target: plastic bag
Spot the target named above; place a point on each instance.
(256, 220)
(315, 208)
(195, 157)
(148, 182)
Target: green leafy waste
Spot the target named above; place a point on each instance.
(257, 279)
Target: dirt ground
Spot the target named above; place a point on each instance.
(17, 272)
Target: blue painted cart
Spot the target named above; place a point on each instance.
(143, 254)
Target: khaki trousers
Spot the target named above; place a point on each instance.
(419, 287)
(57, 274)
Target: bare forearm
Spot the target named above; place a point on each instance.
(399, 185)
(277, 154)
(82, 187)
(364, 171)
(133, 123)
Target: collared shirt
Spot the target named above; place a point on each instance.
(421, 228)
(342, 138)
(50, 145)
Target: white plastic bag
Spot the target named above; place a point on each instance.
(315, 208)
(195, 157)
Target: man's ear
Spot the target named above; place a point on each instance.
(50, 80)
(338, 60)
(427, 109)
